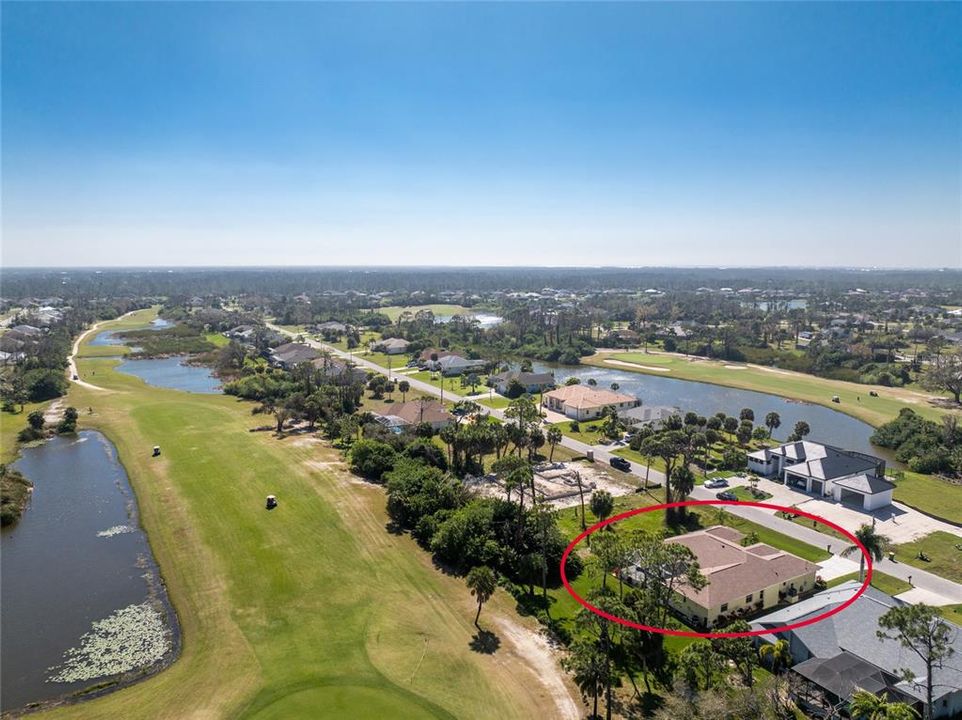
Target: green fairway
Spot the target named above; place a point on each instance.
(313, 610)
(855, 398)
(10, 425)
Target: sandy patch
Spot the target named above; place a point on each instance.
(306, 441)
(625, 363)
(774, 370)
(735, 367)
(54, 412)
(538, 655)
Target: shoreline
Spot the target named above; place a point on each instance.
(743, 381)
(157, 596)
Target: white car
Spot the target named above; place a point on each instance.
(716, 483)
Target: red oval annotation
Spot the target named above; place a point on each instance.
(690, 633)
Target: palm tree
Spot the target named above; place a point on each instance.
(682, 482)
(481, 582)
(777, 653)
(553, 436)
(602, 504)
(404, 386)
(868, 706)
(587, 666)
(875, 545)
(772, 422)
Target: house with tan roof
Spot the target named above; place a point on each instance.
(741, 579)
(423, 410)
(582, 402)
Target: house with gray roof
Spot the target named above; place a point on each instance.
(391, 346)
(290, 354)
(852, 633)
(532, 382)
(846, 476)
(653, 415)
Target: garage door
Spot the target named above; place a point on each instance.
(850, 497)
(817, 487)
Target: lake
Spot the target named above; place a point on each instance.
(828, 426)
(171, 372)
(78, 564)
(485, 320)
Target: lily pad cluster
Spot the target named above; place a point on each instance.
(130, 638)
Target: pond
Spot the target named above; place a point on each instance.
(109, 337)
(828, 426)
(485, 320)
(78, 579)
(171, 372)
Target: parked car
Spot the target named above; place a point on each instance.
(726, 495)
(619, 463)
(716, 483)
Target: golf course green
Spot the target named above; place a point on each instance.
(311, 610)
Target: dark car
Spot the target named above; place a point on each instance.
(726, 495)
(619, 463)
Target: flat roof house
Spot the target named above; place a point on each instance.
(581, 402)
(741, 579)
(841, 653)
(846, 476)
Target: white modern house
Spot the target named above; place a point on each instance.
(846, 476)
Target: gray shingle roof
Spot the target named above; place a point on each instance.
(854, 630)
(865, 483)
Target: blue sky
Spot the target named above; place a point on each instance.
(503, 134)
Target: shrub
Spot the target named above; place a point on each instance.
(372, 458)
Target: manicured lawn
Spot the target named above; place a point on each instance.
(930, 494)
(453, 384)
(495, 401)
(952, 613)
(744, 493)
(855, 398)
(655, 463)
(312, 610)
(822, 528)
(584, 433)
(395, 362)
(880, 581)
(216, 339)
(946, 559)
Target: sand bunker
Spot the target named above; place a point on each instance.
(625, 363)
